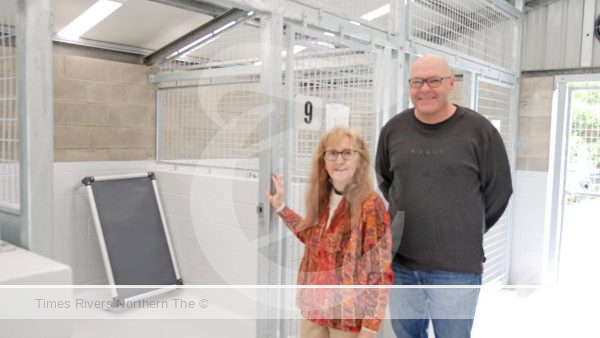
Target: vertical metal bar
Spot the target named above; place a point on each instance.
(512, 119)
(469, 93)
(397, 85)
(587, 36)
(4, 118)
(288, 154)
(159, 126)
(474, 90)
(12, 141)
(162, 115)
(34, 65)
(394, 21)
(514, 64)
(169, 118)
(268, 229)
(10, 137)
(466, 89)
(187, 107)
(556, 176)
(406, 63)
(382, 86)
(194, 108)
(176, 122)
(405, 9)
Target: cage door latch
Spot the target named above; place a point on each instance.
(260, 208)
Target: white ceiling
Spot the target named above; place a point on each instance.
(137, 23)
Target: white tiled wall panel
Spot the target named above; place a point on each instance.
(214, 225)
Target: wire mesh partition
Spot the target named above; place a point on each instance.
(213, 120)
(378, 13)
(214, 125)
(9, 129)
(335, 74)
(495, 102)
(473, 27)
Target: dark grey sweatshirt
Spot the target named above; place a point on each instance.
(452, 182)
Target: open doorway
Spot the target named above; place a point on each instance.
(581, 204)
(574, 226)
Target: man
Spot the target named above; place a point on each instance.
(444, 170)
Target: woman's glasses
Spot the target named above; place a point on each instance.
(332, 155)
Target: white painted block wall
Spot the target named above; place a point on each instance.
(213, 221)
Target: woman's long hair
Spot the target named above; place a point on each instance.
(319, 186)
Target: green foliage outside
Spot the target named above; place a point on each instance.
(584, 142)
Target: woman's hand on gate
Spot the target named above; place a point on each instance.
(276, 199)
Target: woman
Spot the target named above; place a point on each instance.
(347, 240)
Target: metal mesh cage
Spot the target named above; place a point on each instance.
(495, 102)
(9, 126)
(213, 119)
(336, 74)
(214, 124)
(476, 28)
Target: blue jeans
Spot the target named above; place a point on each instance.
(451, 310)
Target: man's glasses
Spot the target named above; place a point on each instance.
(332, 155)
(432, 82)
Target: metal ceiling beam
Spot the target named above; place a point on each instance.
(195, 6)
(218, 22)
(103, 45)
(98, 52)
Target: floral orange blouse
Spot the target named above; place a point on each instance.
(361, 256)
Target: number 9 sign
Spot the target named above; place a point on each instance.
(308, 112)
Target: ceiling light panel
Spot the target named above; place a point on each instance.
(90, 18)
(374, 14)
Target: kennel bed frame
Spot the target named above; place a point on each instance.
(125, 207)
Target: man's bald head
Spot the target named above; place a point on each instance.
(432, 83)
(433, 62)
